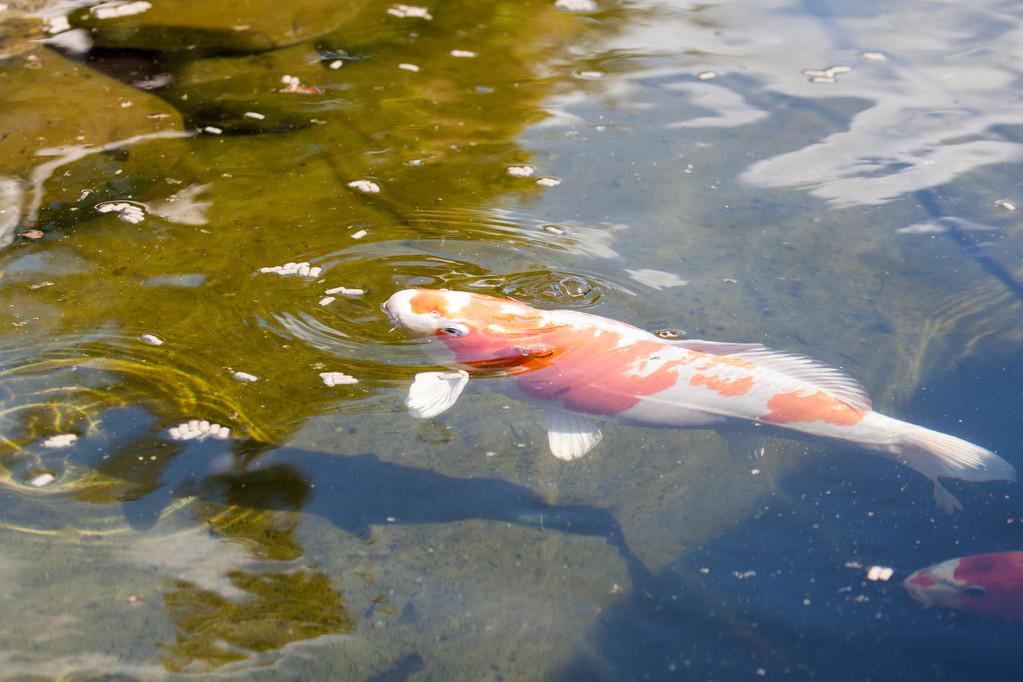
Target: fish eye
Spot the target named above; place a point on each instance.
(454, 331)
(975, 591)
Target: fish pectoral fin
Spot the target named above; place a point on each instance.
(571, 435)
(431, 393)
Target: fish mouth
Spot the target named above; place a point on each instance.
(390, 313)
(917, 592)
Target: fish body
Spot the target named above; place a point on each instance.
(988, 584)
(585, 368)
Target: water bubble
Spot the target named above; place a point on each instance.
(367, 186)
(707, 75)
(575, 287)
(409, 11)
(245, 376)
(548, 182)
(408, 67)
(62, 440)
(42, 479)
(337, 379)
(463, 54)
(1006, 204)
(553, 229)
(576, 5)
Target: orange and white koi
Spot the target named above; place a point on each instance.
(990, 584)
(584, 368)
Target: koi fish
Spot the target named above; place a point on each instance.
(585, 368)
(989, 584)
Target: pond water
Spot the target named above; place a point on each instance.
(830, 177)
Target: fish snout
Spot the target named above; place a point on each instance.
(917, 585)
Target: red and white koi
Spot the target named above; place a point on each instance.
(585, 367)
(989, 584)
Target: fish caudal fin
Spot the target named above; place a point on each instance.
(937, 455)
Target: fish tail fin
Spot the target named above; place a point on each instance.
(936, 455)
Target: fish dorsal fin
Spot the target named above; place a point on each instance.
(715, 347)
(571, 435)
(825, 377)
(434, 392)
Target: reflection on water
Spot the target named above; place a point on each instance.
(815, 175)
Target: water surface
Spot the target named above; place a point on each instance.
(832, 178)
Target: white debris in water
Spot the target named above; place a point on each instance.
(366, 186)
(576, 5)
(1006, 204)
(589, 75)
(410, 11)
(62, 440)
(345, 291)
(548, 182)
(255, 114)
(112, 10)
(42, 480)
(337, 378)
(465, 54)
(359, 234)
(825, 75)
(409, 67)
(57, 24)
(245, 376)
(293, 269)
(520, 171)
(882, 573)
(151, 339)
(327, 300)
(874, 56)
(197, 429)
(129, 213)
(657, 279)
(213, 130)
(707, 75)
(336, 64)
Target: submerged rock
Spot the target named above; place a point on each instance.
(43, 136)
(217, 26)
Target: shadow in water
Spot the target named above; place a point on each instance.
(357, 492)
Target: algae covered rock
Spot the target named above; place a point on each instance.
(221, 26)
(52, 149)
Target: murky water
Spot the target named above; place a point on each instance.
(834, 178)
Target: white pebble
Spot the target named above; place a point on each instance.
(409, 67)
(255, 114)
(882, 573)
(337, 378)
(366, 186)
(465, 54)
(576, 5)
(327, 300)
(62, 440)
(344, 291)
(151, 339)
(548, 182)
(359, 234)
(245, 376)
(520, 171)
(42, 479)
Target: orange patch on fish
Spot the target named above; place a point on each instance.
(818, 406)
(723, 386)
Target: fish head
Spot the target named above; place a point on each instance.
(482, 331)
(990, 584)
